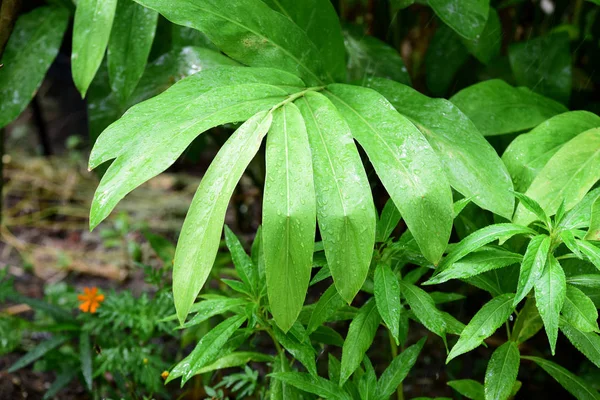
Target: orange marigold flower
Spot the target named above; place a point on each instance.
(90, 299)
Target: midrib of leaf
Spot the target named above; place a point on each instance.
(575, 306)
(385, 286)
(263, 37)
(287, 187)
(489, 316)
(565, 376)
(376, 134)
(504, 362)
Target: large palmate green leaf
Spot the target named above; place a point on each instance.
(497, 108)
(485, 322)
(201, 231)
(571, 382)
(466, 17)
(588, 343)
(368, 57)
(345, 209)
(387, 298)
(129, 46)
(423, 306)
(528, 153)
(567, 176)
(486, 46)
(398, 369)
(445, 55)
(320, 22)
(550, 293)
(544, 65)
(501, 372)
(250, 32)
(470, 162)
(289, 215)
(533, 265)
(151, 135)
(360, 337)
(404, 161)
(30, 50)
(478, 262)
(91, 32)
(580, 311)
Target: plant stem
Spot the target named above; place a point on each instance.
(394, 347)
(294, 96)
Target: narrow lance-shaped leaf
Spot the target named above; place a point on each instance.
(173, 120)
(85, 354)
(580, 311)
(313, 384)
(585, 280)
(528, 322)
(345, 209)
(469, 388)
(360, 337)
(236, 359)
(298, 347)
(534, 207)
(588, 343)
(398, 369)
(466, 17)
(387, 298)
(487, 45)
(532, 265)
(567, 176)
(424, 308)
(485, 322)
(129, 46)
(389, 219)
(322, 26)
(497, 108)
(550, 292)
(528, 153)
(591, 252)
(580, 215)
(478, 262)
(250, 32)
(91, 32)
(571, 382)
(470, 162)
(30, 50)
(501, 373)
(37, 352)
(328, 304)
(200, 234)
(289, 215)
(446, 54)
(404, 161)
(244, 266)
(594, 231)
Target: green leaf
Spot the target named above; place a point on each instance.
(501, 372)
(328, 304)
(575, 385)
(208, 308)
(312, 384)
(236, 359)
(163, 247)
(443, 297)
(129, 46)
(360, 337)
(326, 335)
(61, 381)
(387, 298)
(544, 65)
(278, 390)
(404, 161)
(485, 322)
(301, 351)
(528, 153)
(594, 231)
(244, 266)
(345, 209)
(30, 50)
(206, 350)
(470, 162)
(588, 343)
(323, 29)
(479, 239)
(497, 108)
(532, 266)
(469, 388)
(528, 322)
(550, 293)
(485, 259)
(85, 355)
(424, 308)
(445, 55)
(398, 369)
(581, 215)
(487, 45)
(367, 385)
(466, 17)
(569, 240)
(200, 234)
(534, 207)
(173, 120)
(585, 280)
(91, 32)
(37, 352)
(289, 215)
(369, 57)
(389, 219)
(579, 310)
(591, 252)
(566, 177)
(250, 32)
